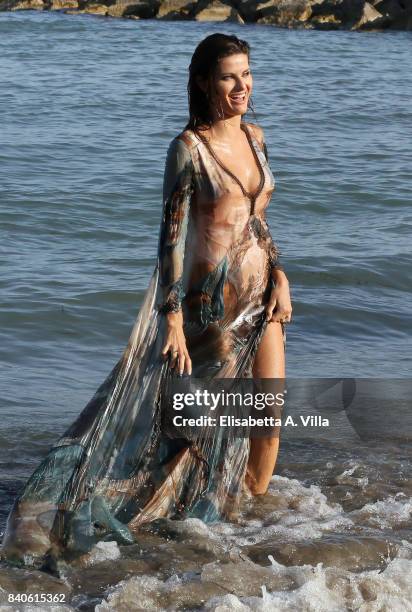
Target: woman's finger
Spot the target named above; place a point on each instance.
(269, 310)
(165, 349)
(283, 316)
(188, 362)
(174, 353)
(181, 363)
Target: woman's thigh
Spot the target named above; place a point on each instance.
(269, 360)
(269, 378)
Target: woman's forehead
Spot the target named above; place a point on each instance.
(237, 61)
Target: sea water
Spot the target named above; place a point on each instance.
(88, 107)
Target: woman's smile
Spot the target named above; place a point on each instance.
(238, 98)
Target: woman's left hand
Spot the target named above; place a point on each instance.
(279, 307)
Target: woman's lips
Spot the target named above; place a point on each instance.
(238, 99)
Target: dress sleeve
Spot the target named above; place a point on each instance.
(274, 253)
(177, 193)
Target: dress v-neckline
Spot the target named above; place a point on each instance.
(251, 196)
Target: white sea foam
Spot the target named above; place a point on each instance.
(192, 527)
(299, 513)
(139, 592)
(314, 589)
(103, 551)
(394, 511)
(347, 477)
(331, 590)
(227, 603)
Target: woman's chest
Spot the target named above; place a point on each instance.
(219, 194)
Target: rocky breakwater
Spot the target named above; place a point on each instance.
(309, 14)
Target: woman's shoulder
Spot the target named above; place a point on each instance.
(188, 137)
(257, 131)
(180, 148)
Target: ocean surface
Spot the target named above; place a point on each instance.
(88, 106)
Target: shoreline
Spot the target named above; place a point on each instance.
(377, 15)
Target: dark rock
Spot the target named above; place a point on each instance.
(319, 14)
(396, 14)
(177, 9)
(218, 11)
(283, 12)
(144, 9)
(58, 5)
(21, 5)
(247, 9)
(347, 12)
(390, 8)
(369, 15)
(95, 9)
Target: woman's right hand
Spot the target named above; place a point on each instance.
(175, 343)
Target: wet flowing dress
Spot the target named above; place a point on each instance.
(118, 466)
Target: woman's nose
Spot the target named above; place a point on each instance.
(240, 85)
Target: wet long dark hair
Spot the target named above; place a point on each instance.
(203, 64)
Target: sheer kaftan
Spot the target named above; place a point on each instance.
(116, 467)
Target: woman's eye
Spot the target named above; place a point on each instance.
(228, 76)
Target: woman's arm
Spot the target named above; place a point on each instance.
(177, 193)
(280, 297)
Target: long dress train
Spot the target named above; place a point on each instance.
(117, 466)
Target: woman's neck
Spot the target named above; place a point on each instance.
(222, 129)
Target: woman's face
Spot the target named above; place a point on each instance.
(232, 85)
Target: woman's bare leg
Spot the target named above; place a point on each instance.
(269, 363)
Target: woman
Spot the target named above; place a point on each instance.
(235, 255)
(216, 306)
